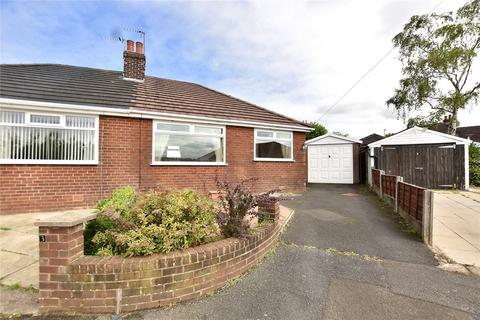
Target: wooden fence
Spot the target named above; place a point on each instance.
(413, 203)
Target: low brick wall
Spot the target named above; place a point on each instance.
(73, 283)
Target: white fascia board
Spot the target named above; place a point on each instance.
(458, 140)
(133, 113)
(347, 139)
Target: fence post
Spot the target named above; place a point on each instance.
(427, 221)
(397, 180)
(381, 172)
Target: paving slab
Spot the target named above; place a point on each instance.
(456, 226)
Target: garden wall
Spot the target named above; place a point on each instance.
(125, 157)
(73, 283)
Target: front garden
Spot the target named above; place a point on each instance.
(130, 223)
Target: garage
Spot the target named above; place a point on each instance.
(333, 159)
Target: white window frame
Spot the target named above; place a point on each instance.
(190, 132)
(62, 125)
(255, 158)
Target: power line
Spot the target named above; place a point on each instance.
(366, 73)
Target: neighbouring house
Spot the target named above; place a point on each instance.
(69, 135)
(471, 132)
(423, 157)
(333, 158)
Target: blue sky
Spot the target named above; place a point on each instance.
(293, 57)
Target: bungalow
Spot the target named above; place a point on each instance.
(69, 135)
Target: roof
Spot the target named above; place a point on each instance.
(331, 138)
(417, 135)
(472, 133)
(371, 138)
(106, 88)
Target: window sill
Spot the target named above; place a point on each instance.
(273, 160)
(50, 162)
(181, 163)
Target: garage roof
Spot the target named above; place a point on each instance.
(417, 135)
(331, 138)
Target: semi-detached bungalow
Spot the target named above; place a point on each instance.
(69, 135)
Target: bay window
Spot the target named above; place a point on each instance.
(273, 145)
(48, 138)
(183, 143)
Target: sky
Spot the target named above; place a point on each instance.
(296, 58)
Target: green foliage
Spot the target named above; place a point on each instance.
(154, 222)
(437, 52)
(318, 130)
(424, 122)
(338, 133)
(474, 155)
(120, 201)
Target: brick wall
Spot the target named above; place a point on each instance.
(73, 283)
(125, 156)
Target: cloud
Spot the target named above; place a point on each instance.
(294, 57)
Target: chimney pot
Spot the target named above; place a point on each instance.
(130, 45)
(139, 47)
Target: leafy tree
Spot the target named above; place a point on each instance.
(318, 130)
(437, 52)
(424, 122)
(474, 155)
(338, 133)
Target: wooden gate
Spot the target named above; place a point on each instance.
(426, 165)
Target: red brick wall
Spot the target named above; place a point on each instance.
(125, 156)
(73, 283)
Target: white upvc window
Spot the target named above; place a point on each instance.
(31, 137)
(179, 143)
(272, 145)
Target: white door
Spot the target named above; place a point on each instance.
(330, 163)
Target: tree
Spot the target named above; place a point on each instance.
(437, 52)
(318, 130)
(424, 122)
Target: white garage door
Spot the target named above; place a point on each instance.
(331, 163)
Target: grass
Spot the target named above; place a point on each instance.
(5, 229)
(17, 286)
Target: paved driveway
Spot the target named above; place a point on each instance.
(456, 225)
(342, 257)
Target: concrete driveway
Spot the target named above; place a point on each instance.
(456, 225)
(342, 257)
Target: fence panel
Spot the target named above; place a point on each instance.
(410, 200)
(376, 178)
(389, 185)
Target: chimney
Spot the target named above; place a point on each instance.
(134, 62)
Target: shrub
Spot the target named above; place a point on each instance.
(121, 201)
(154, 222)
(236, 202)
(474, 155)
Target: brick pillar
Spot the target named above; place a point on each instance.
(60, 243)
(269, 209)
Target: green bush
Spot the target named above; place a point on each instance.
(152, 222)
(474, 155)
